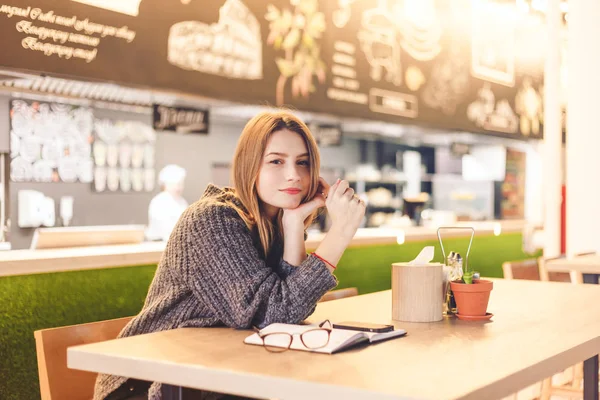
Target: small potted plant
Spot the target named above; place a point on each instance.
(471, 296)
(470, 293)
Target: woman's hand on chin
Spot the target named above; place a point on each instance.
(295, 216)
(299, 214)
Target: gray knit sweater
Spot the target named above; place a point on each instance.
(213, 273)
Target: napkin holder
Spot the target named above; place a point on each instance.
(417, 292)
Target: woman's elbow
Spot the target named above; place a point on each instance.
(240, 322)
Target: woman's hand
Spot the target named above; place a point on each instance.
(299, 214)
(345, 208)
(294, 250)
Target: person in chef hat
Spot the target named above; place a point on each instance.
(167, 206)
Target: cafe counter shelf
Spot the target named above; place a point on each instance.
(24, 262)
(384, 236)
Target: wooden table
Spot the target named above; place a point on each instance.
(589, 267)
(539, 328)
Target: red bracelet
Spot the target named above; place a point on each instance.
(324, 260)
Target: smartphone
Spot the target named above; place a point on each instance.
(363, 326)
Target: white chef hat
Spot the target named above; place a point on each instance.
(171, 174)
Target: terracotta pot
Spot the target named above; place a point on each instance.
(472, 299)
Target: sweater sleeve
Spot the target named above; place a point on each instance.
(284, 269)
(219, 262)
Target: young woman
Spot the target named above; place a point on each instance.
(237, 257)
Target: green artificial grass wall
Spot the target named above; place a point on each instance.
(369, 268)
(32, 302)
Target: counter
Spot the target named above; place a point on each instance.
(23, 262)
(382, 236)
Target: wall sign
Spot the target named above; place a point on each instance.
(326, 135)
(179, 119)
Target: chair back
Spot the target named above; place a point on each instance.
(553, 276)
(58, 382)
(525, 269)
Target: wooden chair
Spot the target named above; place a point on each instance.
(557, 276)
(526, 269)
(58, 382)
(532, 269)
(339, 294)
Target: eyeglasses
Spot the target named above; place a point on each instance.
(277, 342)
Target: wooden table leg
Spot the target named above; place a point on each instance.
(590, 366)
(170, 392)
(590, 378)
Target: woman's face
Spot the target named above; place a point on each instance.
(284, 175)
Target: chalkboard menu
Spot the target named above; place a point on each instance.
(474, 65)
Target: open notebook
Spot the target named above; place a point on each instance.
(340, 339)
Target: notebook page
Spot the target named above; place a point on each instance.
(338, 339)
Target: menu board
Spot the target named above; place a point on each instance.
(473, 65)
(50, 142)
